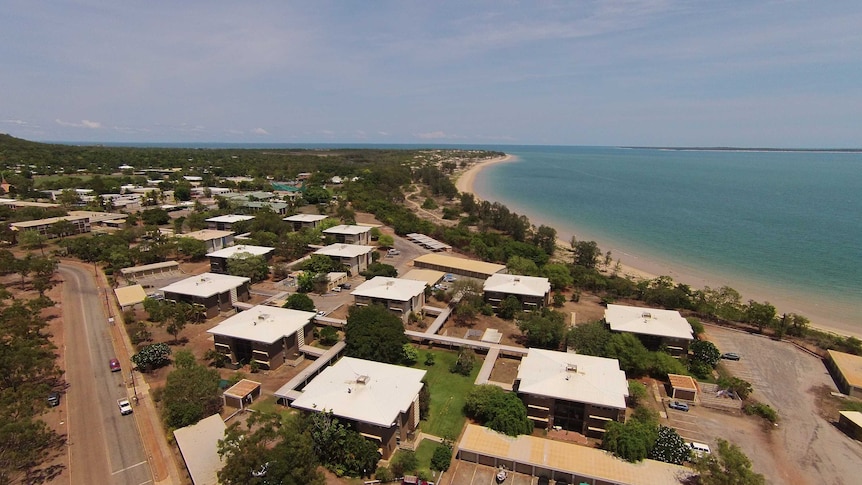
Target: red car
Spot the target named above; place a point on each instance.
(114, 364)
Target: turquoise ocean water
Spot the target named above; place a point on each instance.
(779, 226)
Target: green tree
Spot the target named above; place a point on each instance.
(637, 393)
(191, 393)
(558, 275)
(32, 240)
(589, 338)
(546, 238)
(760, 314)
(248, 265)
(340, 449)
(705, 351)
(442, 457)
(634, 358)
(183, 192)
(740, 387)
(155, 217)
(586, 253)
(544, 329)
(509, 307)
(727, 466)
(300, 301)
(374, 333)
(380, 269)
(498, 409)
(151, 357)
(272, 449)
(465, 362)
(631, 441)
(385, 241)
(669, 447)
(192, 248)
(521, 265)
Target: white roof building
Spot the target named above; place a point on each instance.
(304, 218)
(648, 321)
(230, 219)
(385, 288)
(198, 444)
(206, 285)
(263, 324)
(344, 250)
(239, 249)
(573, 377)
(207, 234)
(363, 390)
(517, 284)
(348, 229)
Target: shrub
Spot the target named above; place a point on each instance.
(328, 336)
(442, 457)
(765, 411)
(464, 364)
(429, 359)
(384, 474)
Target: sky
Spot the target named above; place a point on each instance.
(618, 72)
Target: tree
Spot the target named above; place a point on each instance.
(740, 387)
(727, 466)
(191, 393)
(558, 275)
(631, 441)
(760, 314)
(497, 409)
(155, 217)
(272, 449)
(183, 192)
(32, 240)
(544, 329)
(380, 269)
(546, 238)
(586, 253)
(192, 248)
(300, 301)
(248, 265)
(637, 392)
(509, 307)
(374, 333)
(442, 457)
(589, 338)
(705, 351)
(464, 363)
(61, 228)
(669, 447)
(634, 358)
(385, 241)
(340, 449)
(151, 357)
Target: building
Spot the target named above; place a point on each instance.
(380, 400)
(254, 206)
(350, 234)
(654, 327)
(214, 292)
(682, 387)
(460, 266)
(429, 276)
(851, 423)
(19, 204)
(270, 336)
(354, 257)
(77, 225)
(400, 296)
(300, 221)
(533, 292)
(219, 259)
(213, 239)
(198, 445)
(847, 371)
(570, 391)
(226, 222)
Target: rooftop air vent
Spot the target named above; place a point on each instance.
(646, 315)
(363, 379)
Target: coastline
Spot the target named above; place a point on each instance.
(638, 266)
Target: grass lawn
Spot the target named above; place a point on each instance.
(448, 393)
(424, 452)
(267, 405)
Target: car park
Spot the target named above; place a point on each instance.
(125, 406)
(679, 406)
(730, 356)
(54, 399)
(114, 365)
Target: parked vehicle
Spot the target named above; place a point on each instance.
(449, 277)
(336, 289)
(114, 365)
(730, 356)
(393, 252)
(699, 449)
(54, 399)
(125, 406)
(680, 406)
(345, 286)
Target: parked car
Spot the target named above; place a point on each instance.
(393, 252)
(125, 406)
(449, 278)
(730, 356)
(345, 286)
(699, 449)
(336, 289)
(679, 406)
(114, 365)
(54, 399)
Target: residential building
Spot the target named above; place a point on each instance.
(459, 266)
(570, 391)
(198, 446)
(350, 234)
(400, 296)
(656, 328)
(215, 293)
(354, 257)
(219, 259)
(533, 292)
(270, 336)
(300, 221)
(77, 225)
(213, 239)
(380, 400)
(226, 222)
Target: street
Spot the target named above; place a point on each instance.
(104, 446)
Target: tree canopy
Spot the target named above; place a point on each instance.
(498, 409)
(191, 393)
(374, 333)
(727, 465)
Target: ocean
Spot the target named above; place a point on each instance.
(783, 227)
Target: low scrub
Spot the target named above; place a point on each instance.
(765, 411)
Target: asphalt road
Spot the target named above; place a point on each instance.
(104, 446)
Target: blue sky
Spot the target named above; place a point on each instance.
(656, 72)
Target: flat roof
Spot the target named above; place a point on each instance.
(396, 289)
(48, 221)
(207, 234)
(347, 229)
(569, 458)
(345, 250)
(242, 388)
(150, 267)
(241, 248)
(27, 203)
(648, 321)
(305, 218)
(849, 365)
(206, 285)
(682, 382)
(362, 390)
(517, 284)
(429, 276)
(573, 377)
(99, 216)
(198, 444)
(230, 218)
(480, 267)
(263, 323)
(130, 295)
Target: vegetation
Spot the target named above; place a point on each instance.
(341, 449)
(447, 394)
(545, 328)
(152, 357)
(765, 411)
(498, 409)
(727, 465)
(374, 333)
(442, 457)
(299, 301)
(253, 267)
(191, 392)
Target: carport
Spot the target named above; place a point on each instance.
(682, 387)
(241, 394)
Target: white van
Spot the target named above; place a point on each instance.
(699, 449)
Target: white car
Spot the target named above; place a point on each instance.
(125, 406)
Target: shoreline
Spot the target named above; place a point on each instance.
(649, 267)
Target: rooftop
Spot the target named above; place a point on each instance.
(850, 366)
(648, 321)
(429, 276)
(573, 377)
(347, 229)
(206, 285)
(517, 285)
(386, 288)
(682, 382)
(207, 234)
(470, 265)
(198, 444)
(345, 250)
(48, 221)
(362, 390)
(242, 388)
(241, 248)
(262, 323)
(96, 217)
(230, 219)
(130, 295)
(304, 218)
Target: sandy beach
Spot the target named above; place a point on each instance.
(638, 266)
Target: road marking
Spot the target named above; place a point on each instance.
(130, 467)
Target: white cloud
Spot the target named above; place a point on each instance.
(434, 135)
(383, 133)
(83, 124)
(15, 122)
(260, 131)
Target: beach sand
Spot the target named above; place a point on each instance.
(638, 266)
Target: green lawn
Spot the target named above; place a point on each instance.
(267, 405)
(448, 392)
(424, 452)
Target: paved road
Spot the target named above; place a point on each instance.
(104, 447)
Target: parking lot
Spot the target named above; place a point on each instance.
(466, 473)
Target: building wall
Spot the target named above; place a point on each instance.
(546, 412)
(494, 298)
(211, 304)
(218, 265)
(841, 380)
(852, 429)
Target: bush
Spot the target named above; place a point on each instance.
(328, 336)
(216, 358)
(411, 355)
(464, 364)
(384, 474)
(497, 409)
(405, 461)
(765, 411)
(429, 359)
(442, 457)
(637, 392)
